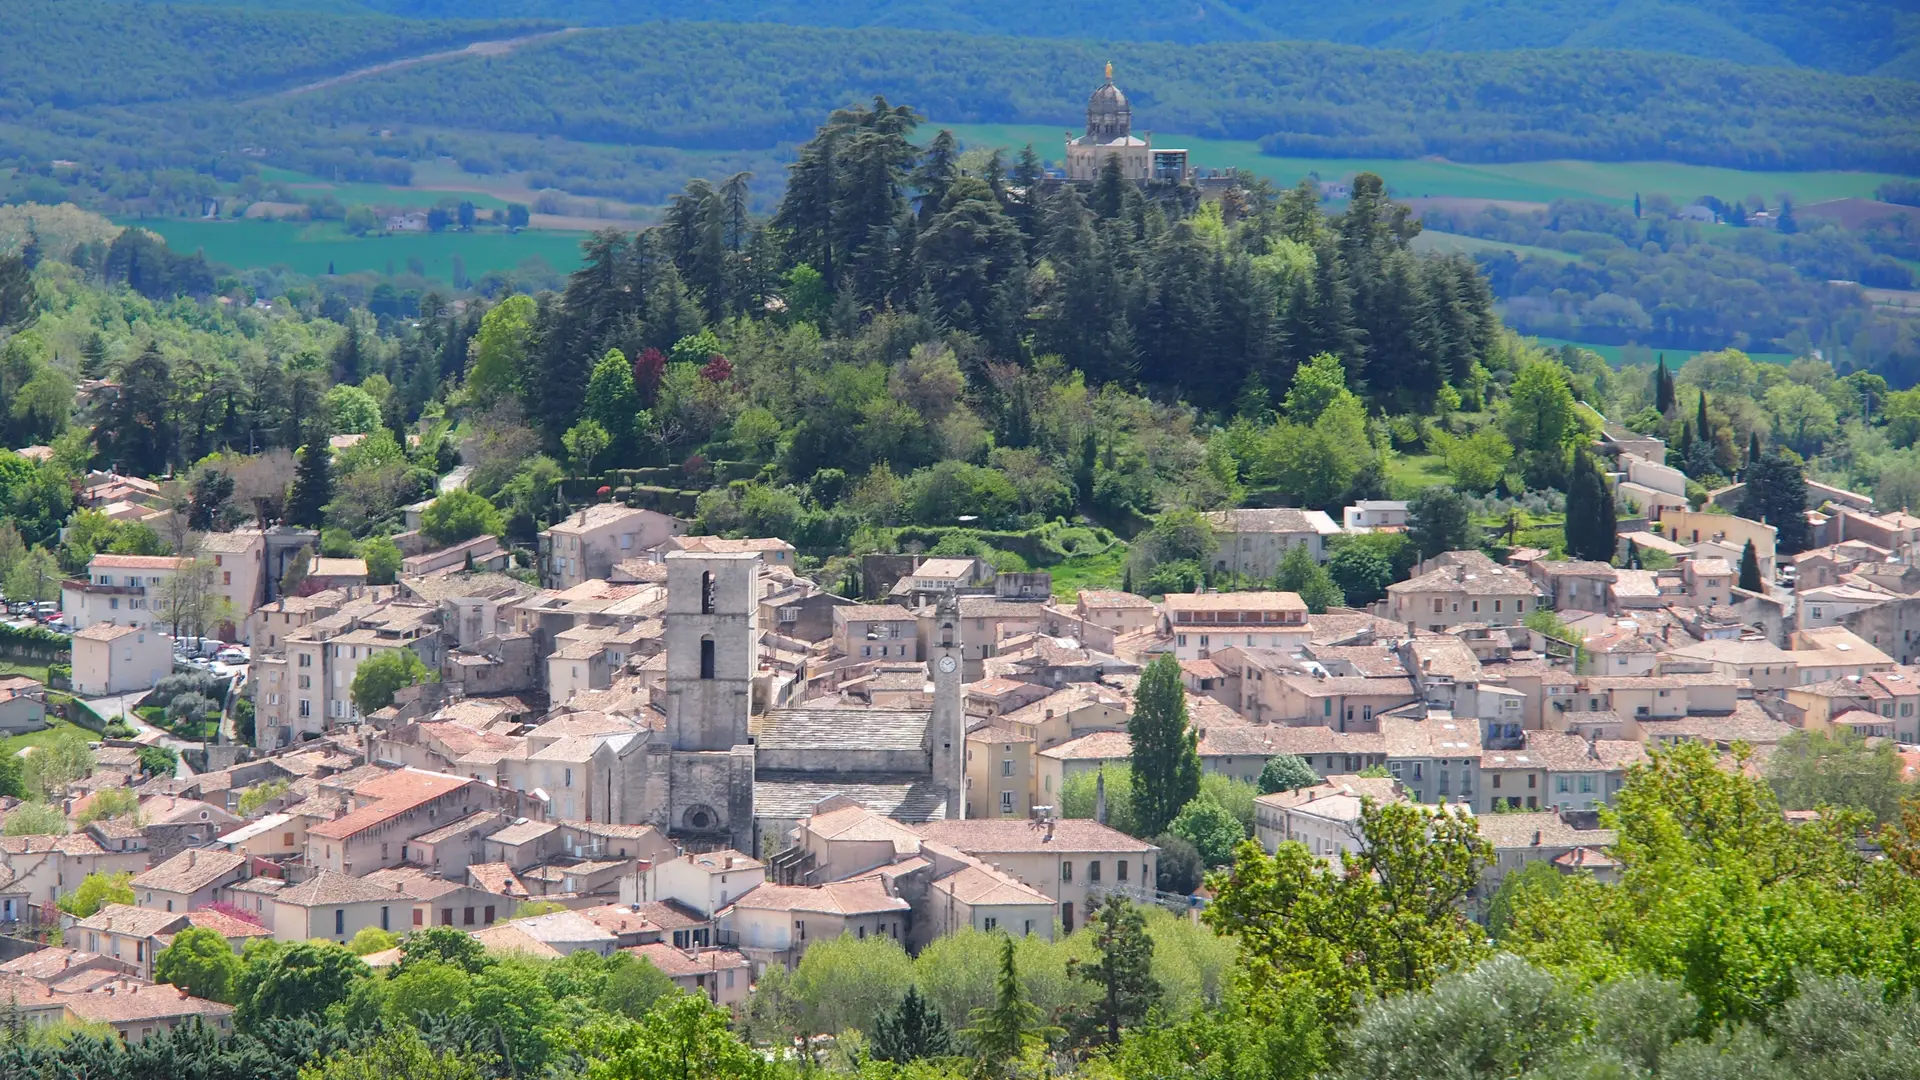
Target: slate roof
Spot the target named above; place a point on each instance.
(907, 797)
(848, 727)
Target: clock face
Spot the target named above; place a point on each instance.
(946, 664)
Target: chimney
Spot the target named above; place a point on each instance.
(1536, 838)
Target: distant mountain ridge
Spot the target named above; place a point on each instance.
(1855, 37)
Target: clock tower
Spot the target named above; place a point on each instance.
(947, 728)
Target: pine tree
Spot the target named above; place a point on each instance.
(1124, 987)
(312, 483)
(1590, 525)
(1750, 570)
(1001, 1032)
(93, 362)
(1166, 757)
(912, 1030)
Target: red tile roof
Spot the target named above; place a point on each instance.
(393, 794)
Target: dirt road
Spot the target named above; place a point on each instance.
(500, 47)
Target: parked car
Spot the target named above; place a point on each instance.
(231, 656)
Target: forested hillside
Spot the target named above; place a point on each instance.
(70, 53)
(1859, 37)
(731, 86)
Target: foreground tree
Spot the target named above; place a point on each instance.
(96, 891)
(1437, 521)
(1389, 920)
(1005, 1031)
(1122, 976)
(1750, 570)
(1285, 772)
(1777, 494)
(912, 1031)
(312, 483)
(1166, 756)
(1811, 769)
(201, 962)
(377, 680)
(684, 1038)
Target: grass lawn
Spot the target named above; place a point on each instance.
(1410, 474)
(1528, 181)
(1106, 570)
(31, 671)
(310, 247)
(56, 729)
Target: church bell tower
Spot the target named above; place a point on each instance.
(947, 728)
(713, 645)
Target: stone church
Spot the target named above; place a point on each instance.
(1110, 135)
(712, 773)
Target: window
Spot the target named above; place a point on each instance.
(1093, 871)
(1066, 871)
(1561, 785)
(418, 916)
(227, 578)
(466, 917)
(1006, 802)
(1006, 767)
(1532, 779)
(706, 593)
(1120, 871)
(384, 920)
(339, 921)
(1476, 605)
(706, 658)
(1586, 784)
(569, 778)
(446, 916)
(489, 914)
(1496, 780)
(1066, 916)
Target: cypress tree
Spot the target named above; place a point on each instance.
(1700, 425)
(1662, 387)
(1753, 447)
(1166, 756)
(1590, 524)
(312, 483)
(1750, 570)
(1633, 556)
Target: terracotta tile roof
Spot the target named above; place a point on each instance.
(327, 887)
(982, 886)
(985, 836)
(506, 937)
(673, 915)
(522, 832)
(393, 795)
(191, 871)
(129, 1001)
(620, 920)
(139, 562)
(130, 920)
(862, 896)
(681, 964)
(226, 925)
(412, 882)
(1096, 746)
(478, 821)
(1512, 831)
(497, 878)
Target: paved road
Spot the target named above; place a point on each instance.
(121, 707)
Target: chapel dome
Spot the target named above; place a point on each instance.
(1108, 114)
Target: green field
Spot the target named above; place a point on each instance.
(351, 194)
(1410, 474)
(1615, 354)
(310, 247)
(1531, 181)
(1107, 570)
(56, 729)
